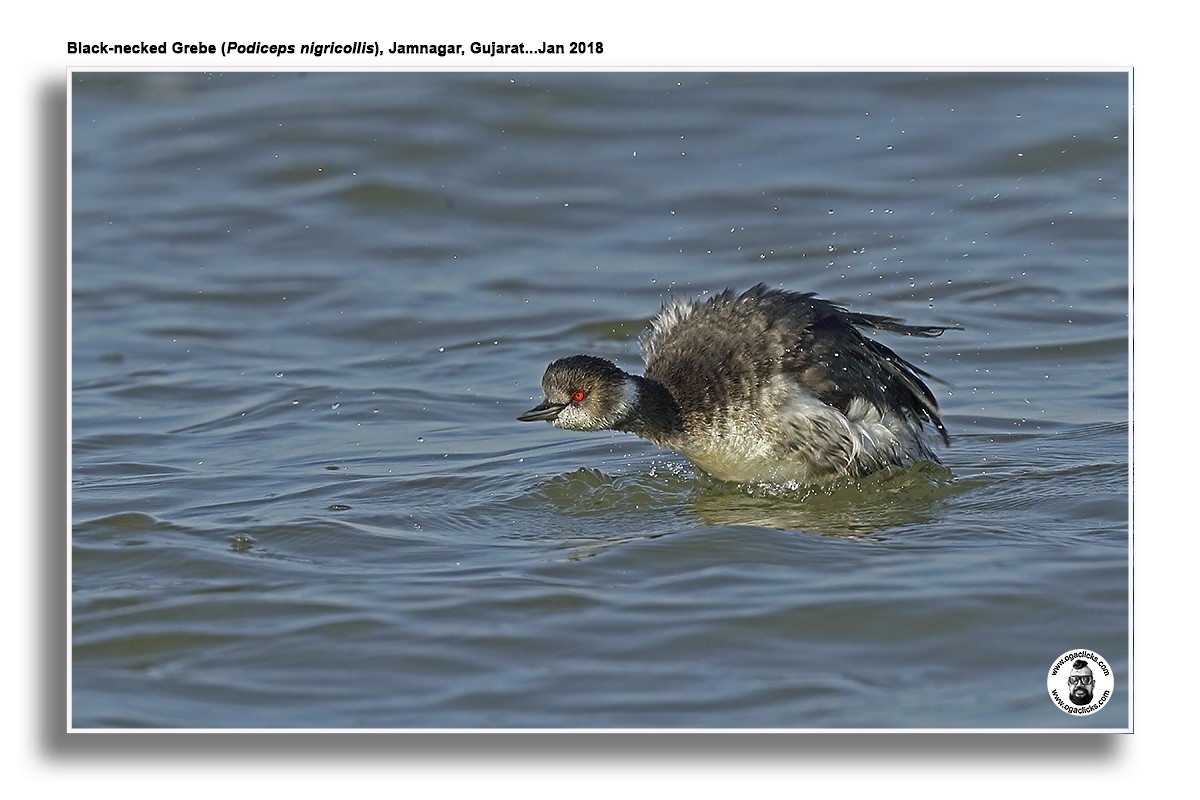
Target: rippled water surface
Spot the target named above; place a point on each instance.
(306, 309)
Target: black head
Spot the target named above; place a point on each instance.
(584, 393)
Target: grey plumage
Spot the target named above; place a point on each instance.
(765, 386)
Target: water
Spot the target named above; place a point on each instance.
(306, 309)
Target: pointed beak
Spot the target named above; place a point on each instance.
(546, 411)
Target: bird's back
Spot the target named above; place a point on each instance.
(759, 376)
(717, 354)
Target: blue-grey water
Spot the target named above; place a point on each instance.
(306, 309)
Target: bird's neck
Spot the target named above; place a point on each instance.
(655, 415)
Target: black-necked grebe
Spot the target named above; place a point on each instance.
(768, 386)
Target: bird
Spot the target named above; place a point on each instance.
(764, 387)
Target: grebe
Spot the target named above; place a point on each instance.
(769, 386)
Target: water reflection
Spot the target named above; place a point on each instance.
(891, 499)
(886, 500)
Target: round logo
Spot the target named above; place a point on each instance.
(1080, 682)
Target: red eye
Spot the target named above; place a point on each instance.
(578, 396)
